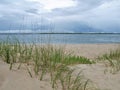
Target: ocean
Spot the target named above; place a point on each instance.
(81, 38)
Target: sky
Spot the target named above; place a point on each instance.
(60, 16)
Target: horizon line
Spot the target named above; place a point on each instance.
(59, 33)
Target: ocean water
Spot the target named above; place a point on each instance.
(62, 38)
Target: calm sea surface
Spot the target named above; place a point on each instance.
(62, 38)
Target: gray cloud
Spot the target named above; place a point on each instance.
(104, 17)
(3, 1)
(99, 15)
(34, 11)
(81, 7)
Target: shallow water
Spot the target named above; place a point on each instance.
(62, 38)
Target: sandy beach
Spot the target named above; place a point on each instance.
(20, 79)
(90, 50)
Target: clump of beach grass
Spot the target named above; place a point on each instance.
(66, 79)
(112, 60)
(45, 59)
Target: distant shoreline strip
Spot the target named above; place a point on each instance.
(54, 33)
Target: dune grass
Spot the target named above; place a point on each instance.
(113, 60)
(45, 59)
(65, 79)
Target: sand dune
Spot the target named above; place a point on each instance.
(96, 73)
(20, 79)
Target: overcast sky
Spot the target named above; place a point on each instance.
(60, 15)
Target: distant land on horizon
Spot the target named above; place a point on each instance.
(59, 33)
